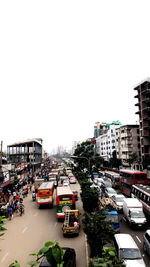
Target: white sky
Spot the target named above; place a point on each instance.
(66, 64)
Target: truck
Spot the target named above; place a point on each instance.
(108, 207)
(133, 212)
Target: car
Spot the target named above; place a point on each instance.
(118, 200)
(69, 258)
(72, 180)
(106, 184)
(127, 249)
(98, 180)
(66, 183)
(109, 192)
(94, 186)
(146, 243)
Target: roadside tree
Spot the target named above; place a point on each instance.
(99, 232)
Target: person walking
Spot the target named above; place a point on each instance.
(14, 195)
(10, 212)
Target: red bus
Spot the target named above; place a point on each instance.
(45, 194)
(130, 177)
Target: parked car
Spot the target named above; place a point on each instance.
(72, 180)
(109, 192)
(146, 243)
(118, 200)
(69, 258)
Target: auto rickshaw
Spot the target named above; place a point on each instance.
(71, 223)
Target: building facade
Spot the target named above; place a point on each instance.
(143, 104)
(106, 143)
(29, 151)
(127, 143)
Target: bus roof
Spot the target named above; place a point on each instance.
(64, 190)
(132, 171)
(46, 185)
(143, 188)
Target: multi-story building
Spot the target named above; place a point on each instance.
(106, 143)
(127, 143)
(74, 146)
(143, 96)
(101, 128)
(29, 151)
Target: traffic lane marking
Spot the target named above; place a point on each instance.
(138, 239)
(24, 230)
(4, 257)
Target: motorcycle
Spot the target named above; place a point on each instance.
(21, 210)
(33, 197)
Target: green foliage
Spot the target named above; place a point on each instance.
(99, 232)
(51, 250)
(15, 264)
(2, 228)
(109, 259)
(114, 161)
(90, 198)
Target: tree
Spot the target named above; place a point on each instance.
(86, 158)
(114, 161)
(51, 250)
(132, 159)
(90, 198)
(109, 259)
(99, 232)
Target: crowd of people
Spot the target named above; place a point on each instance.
(12, 199)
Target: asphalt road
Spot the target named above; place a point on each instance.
(27, 234)
(137, 235)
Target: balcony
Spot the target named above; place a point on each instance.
(137, 104)
(138, 112)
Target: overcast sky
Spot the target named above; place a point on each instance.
(66, 64)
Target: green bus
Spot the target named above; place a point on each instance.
(65, 200)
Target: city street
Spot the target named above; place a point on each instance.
(27, 234)
(137, 235)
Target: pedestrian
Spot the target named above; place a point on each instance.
(14, 195)
(30, 186)
(17, 197)
(10, 212)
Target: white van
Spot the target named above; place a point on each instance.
(133, 212)
(127, 249)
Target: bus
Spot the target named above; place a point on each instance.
(142, 193)
(130, 177)
(45, 194)
(65, 200)
(112, 177)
